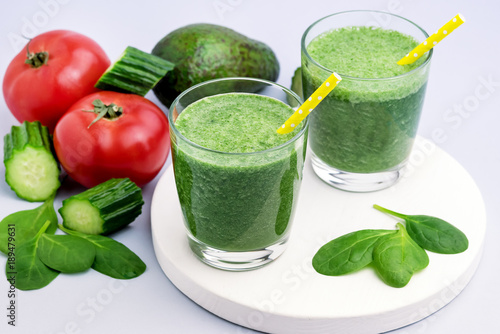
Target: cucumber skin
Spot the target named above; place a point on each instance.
(28, 133)
(35, 135)
(134, 72)
(119, 202)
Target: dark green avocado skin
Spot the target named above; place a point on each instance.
(203, 52)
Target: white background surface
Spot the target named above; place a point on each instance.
(459, 105)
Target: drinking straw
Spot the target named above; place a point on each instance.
(311, 103)
(431, 42)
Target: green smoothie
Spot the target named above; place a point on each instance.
(238, 188)
(367, 124)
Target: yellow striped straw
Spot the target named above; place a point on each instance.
(311, 103)
(431, 42)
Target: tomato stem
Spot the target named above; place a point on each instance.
(36, 60)
(102, 110)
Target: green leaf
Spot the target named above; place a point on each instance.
(112, 258)
(397, 257)
(66, 253)
(347, 253)
(28, 272)
(433, 234)
(115, 260)
(436, 235)
(24, 225)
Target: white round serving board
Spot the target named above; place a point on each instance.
(288, 296)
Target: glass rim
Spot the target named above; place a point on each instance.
(345, 76)
(271, 83)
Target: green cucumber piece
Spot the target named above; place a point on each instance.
(296, 86)
(134, 72)
(297, 82)
(31, 169)
(104, 208)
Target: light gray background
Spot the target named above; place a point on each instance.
(460, 114)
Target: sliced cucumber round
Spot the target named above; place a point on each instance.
(31, 169)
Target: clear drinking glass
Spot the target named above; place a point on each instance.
(238, 207)
(362, 133)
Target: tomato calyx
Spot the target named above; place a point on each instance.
(37, 59)
(108, 111)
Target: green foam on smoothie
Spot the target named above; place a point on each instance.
(364, 52)
(365, 57)
(250, 126)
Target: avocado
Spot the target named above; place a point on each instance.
(203, 52)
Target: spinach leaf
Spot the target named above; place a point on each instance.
(27, 272)
(396, 257)
(112, 258)
(347, 253)
(66, 253)
(24, 225)
(431, 233)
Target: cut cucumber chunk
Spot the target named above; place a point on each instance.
(297, 82)
(31, 169)
(134, 72)
(104, 208)
(296, 86)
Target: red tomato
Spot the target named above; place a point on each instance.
(135, 144)
(44, 91)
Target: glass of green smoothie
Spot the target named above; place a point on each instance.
(362, 133)
(237, 179)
